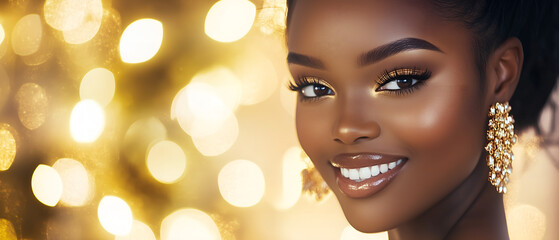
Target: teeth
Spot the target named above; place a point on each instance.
(375, 170)
(353, 174)
(345, 172)
(360, 174)
(364, 172)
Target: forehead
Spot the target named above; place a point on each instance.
(338, 28)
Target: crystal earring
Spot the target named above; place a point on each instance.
(501, 137)
(313, 184)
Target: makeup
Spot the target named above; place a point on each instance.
(361, 175)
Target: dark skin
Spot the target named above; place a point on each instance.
(433, 112)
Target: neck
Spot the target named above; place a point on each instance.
(474, 210)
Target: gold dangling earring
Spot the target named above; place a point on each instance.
(313, 184)
(501, 137)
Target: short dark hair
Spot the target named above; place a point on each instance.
(534, 23)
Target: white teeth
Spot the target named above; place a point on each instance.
(375, 170)
(345, 172)
(360, 174)
(353, 174)
(364, 172)
(383, 168)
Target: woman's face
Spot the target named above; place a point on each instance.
(391, 108)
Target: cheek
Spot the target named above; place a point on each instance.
(313, 128)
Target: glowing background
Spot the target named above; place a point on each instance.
(127, 120)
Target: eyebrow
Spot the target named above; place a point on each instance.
(395, 47)
(296, 58)
(369, 57)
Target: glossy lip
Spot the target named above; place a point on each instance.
(367, 187)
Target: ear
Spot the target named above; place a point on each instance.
(504, 68)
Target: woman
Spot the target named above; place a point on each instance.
(394, 100)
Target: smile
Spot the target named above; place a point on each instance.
(364, 174)
(360, 174)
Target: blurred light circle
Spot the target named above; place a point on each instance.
(292, 179)
(189, 224)
(198, 110)
(2, 34)
(139, 136)
(166, 161)
(98, 84)
(115, 215)
(139, 231)
(7, 231)
(87, 121)
(75, 182)
(27, 35)
(7, 147)
(526, 222)
(258, 78)
(220, 141)
(46, 185)
(230, 20)
(350, 233)
(141, 40)
(225, 84)
(32, 105)
(241, 183)
(64, 15)
(89, 26)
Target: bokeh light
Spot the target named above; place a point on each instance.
(166, 161)
(89, 26)
(350, 233)
(220, 141)
(272, 17)
(64, 15)
(139, 136)
(139, 231)
(27, 35)
(241, 183)
(76, 183)
(32, 105)
(291, 176)
(87, 121)
(189, 224)
(141, 40)
(7, 231)
(8, 147)
(258, 78)
(198, 110)
(46, 185)
(2, 34)
(526, 222)
(98, 84)
(230, 20)
(224, 83)
(115, 215)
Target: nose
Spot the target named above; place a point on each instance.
(355, 125)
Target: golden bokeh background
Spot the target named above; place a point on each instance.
(172, 120)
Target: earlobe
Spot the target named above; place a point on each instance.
(506, 66)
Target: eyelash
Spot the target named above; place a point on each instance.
(403, 73)
(387, 76)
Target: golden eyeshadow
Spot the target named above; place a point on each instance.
(390, 75)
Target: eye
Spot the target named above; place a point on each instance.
(402, 80)
(316, 90)
(399, 84)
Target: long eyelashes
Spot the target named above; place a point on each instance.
(400, 81)
(403, 73)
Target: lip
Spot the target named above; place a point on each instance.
(370, 186)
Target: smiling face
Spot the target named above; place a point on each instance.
(391, 108)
